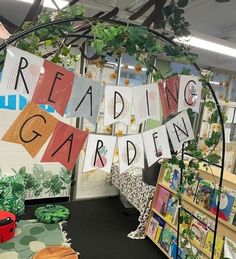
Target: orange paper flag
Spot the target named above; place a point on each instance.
(31, 129)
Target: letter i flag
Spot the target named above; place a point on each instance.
(99, 153)
(54, 87)
(65, 145)
(21, 71)
(31, 129)
(131, 152)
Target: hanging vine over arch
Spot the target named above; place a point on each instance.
(112, 37)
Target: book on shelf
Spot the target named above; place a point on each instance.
(152, 228)
(205, 219)
(162, 199)
(204, 194)
(166, 238)
(171, 209)
(159, 230)
(190, 189)
(229, 249)
(233, 210)
(226, 205)
(209, 244)
(200, 232)
(172, 178)
(234, 220)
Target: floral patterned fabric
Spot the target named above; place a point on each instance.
(138, 193)
(12, 194)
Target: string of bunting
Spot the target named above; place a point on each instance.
(44, 82)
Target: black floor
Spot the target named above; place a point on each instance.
(98, 229)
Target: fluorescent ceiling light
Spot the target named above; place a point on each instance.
(207, 45)
(49, 4)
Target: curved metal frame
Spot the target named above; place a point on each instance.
(163, 38)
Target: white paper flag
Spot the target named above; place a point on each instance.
(180, 130)
(21, 71)
(229, 249)
(146, 102)
(156, 144)
(99, 153)
(131, 152)
(85, 99)
(118, 103)
(190, 90)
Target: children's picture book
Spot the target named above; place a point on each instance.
(162, 200)
(159, 230)
(226, 205)
(209, 244)
(171, 209)
(233, 210)
(234, 220)
(167, 177)
(152, 228)
(191, 189)
(200, 232)
(161, 221)
(229, 249)
(175, 179)
(205, 219)
(204, 194)
(166, 238)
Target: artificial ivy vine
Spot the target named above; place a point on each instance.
(139, 41)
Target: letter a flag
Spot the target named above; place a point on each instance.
(54, 87)
(190, 90)
(131, 152)
(118, 102)
(99, 153)
(85, 99)
(156, 144)
(146, 102)
(31, 129)
(180, 130)
(169, 94)
(21, 71)
(65, 145)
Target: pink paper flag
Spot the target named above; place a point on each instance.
(65, 145)
(169, 94)
(4, 34)
(54, 87)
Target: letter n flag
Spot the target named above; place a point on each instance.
(65, 145)
(31, 129)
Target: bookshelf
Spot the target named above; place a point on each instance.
(224, 228)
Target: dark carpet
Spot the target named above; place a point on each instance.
(98, 229)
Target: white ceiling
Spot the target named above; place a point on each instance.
(205, 16)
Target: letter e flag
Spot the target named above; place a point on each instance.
(31, 129)
(65, 145)
(54, 87)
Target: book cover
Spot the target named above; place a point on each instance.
(162, 200)
(234, 220)
(226, 204)
(205, 219)
(209, 244)
(229, 249)
(204, 194)
(152, 228)
(167, 177)
(175, 179)
(233, 210)
(190, 190)
(161, 221)
(200, 232)
(159, 230)
(171, 209)
(166, 239)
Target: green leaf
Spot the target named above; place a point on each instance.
(48, 43)
(65, 51)
(213, 158)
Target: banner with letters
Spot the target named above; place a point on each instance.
(45, 83)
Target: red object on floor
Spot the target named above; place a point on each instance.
(7, 225)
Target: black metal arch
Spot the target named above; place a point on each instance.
(22, 34)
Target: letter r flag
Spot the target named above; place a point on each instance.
(31, 129)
